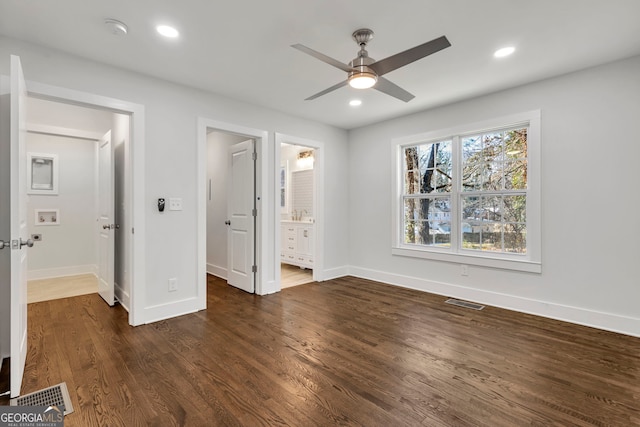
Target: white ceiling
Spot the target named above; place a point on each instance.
(241, 49)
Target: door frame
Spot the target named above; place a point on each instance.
(264, 234)
(133, 177)
(318, 202)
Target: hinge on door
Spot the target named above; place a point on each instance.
(254, 268)
(254, 155)
(254, 212)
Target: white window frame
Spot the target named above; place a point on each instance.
(529, 262)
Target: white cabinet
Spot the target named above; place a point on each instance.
(297, 243)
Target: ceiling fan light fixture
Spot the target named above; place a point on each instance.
(362, 80)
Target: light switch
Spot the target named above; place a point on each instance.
(175, 204)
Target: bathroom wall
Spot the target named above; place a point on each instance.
(76, 231)
(297, 182)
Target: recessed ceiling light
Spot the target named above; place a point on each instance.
(355, 102)
(505, 51)
(167, 31)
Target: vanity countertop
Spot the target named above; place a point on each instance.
(289, 221)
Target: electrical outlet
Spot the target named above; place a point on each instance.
(175, 204)
(173, 284)
(464, 269)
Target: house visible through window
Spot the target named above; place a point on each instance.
(471, 194)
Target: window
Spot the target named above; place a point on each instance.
(471, 194)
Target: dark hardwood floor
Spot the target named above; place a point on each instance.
(342, 352)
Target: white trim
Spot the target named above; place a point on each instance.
(580, 316)
(217, 271)
(472, 259)
(62, 131)
(121, 296)
(134, 176)
(265, 205)
(73, 270)
(172, 309)
(532, 261)
(336, 272)
(318, 203)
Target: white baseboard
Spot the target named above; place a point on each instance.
(607, 321)
(123, 297)
(217, 271)
(50, 273)
(334, 273)
(173, 309)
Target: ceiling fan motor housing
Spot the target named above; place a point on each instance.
(361, 69)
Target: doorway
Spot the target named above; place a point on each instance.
(300, 210)
(224, 250)
(130, 180)
(70, 136)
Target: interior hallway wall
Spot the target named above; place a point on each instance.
(171, 112)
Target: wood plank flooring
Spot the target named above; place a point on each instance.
(342, 352)
(292, 275)
(61, 287)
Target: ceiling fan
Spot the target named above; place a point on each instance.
(365, 72)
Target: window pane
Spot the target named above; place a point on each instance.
(515, 238)
(433, 209)
(514, 209)
(491, 237)
(428, 168)
(492, 146)
(515, 144)
(515, 175)
(492, 176)
(492, 208)
(427, 221)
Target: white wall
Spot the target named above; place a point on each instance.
(218, 144)
(171, 113)
(590, 201)
(75, 202)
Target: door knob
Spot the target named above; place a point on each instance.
(4, 244)
(106, 227)
(29, 243)
(227, 222)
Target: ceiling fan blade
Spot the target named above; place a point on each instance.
(401, 59)
(392, 89)
(326, 91)
(322, 57)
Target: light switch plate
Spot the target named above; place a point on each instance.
(175, 204)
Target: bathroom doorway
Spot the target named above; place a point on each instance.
(299, 210)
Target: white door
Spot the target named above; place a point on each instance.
(19, 236)
(240, 219)
(106, 219)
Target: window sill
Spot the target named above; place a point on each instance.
(472, 259)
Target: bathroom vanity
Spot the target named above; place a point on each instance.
(297, 243)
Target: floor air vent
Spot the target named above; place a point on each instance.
(465, 304)
(58, 395)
